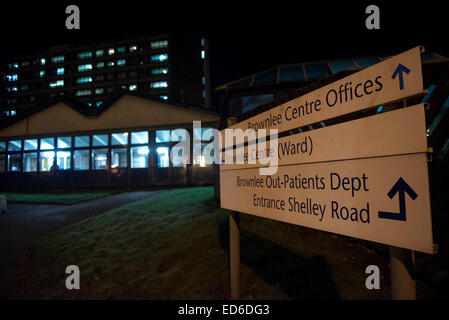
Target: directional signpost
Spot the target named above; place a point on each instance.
(365, 178)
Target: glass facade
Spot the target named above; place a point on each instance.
(101, 151)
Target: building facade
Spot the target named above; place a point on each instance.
(170, 67)
(125, 142)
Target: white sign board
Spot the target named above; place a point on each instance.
(382, 199)
(393, 79)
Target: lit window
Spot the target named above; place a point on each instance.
(118, 139)
(119, 158)
(163, 157)
(60, 71)
(121, 62)
(30, 162)
(99, 140)
(30, 144)
(41, 73)
(99, 103)
(12, 77)
(159, 84)
(203, 54)
(164, 97)
(139, 157)
(100, 65)
(84, 67)
(163, 136)
(159, 44)
(133, 48)
(84, 80)
(132, 87)
(13, 162)
(43, 61)
(111, 51)
(111, 63)
(85, 55)
(64, 142)
(99, 53)
(2, 146)
(139, 137)
(14, 89)
(159, 57)
(202, 42)
(15, 145)
(63, 160)
(121, 49)
(13, 112)
(57, 59)
(159, 71)
(99, 90)
(81, 141)
(47, 144)
(46, 160)
(81, 159)
(81, 93)
(57, 83)
(99, 159)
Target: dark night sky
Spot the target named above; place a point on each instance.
(244, 38)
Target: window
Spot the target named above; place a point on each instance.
(84, 80)
(98, 103)
(159, 44)
(81, 141)
(121, 62)
(163, 136)
(13, 162)
(159, 57)
(178, 135)
(2, 162)
(159, 84)
(2, 146)
(80, 93)
(41, 73)
(203, 54)
(99, 90)
(132, 87)
(111, 51)
(85, 55)
(81, 159)
(60, 71)
(47, 144)
(42, 61)
(205, 134)
(57, 59)
(132, 48)
(84, 67)
(139, 137)
(121, 49)
(111, 63)
(159, 71)
(99, 159)
(14, 89)
(118, 139)
(99, 140)
(100, 64)
(119, 158)
(12, 77)
(46, 160)
(99, 53)
(63, 160)
(164, 97)
(30, 162)
(57, 83)
(64, 142)
(139, 157)
(163, 157)
(15, 145)
(30, 144)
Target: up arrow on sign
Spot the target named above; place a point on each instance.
(400, 72)
(402, 187)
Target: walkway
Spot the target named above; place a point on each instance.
(24, 222)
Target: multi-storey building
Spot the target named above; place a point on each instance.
(168, 66)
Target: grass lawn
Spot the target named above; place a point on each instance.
(175, 246)
(54, 198)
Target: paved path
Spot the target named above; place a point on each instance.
(24, 222)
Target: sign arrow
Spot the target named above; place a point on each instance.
(400, 72)
(402, 187)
